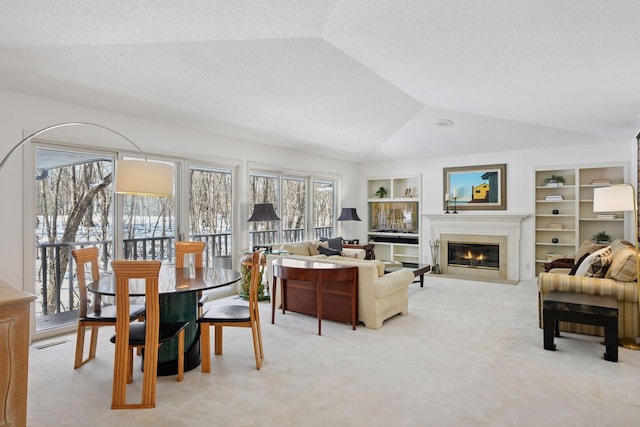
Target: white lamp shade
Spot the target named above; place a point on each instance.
(614, 198)
(144, 178)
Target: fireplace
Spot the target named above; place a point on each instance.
(473, 255)
(499, 234)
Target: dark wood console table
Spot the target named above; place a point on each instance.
(325, 290)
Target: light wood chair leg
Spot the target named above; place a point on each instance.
(205, 347)
(218, 340)
(130, 370)
(94, 342)
(79, 346)
(257, 345)
(181, 355)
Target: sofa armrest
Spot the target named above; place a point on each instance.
(623, 291)
(350, 252)
(392, 282)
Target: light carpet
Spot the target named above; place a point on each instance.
(467, 354)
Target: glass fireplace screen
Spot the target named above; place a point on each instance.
(474, 255)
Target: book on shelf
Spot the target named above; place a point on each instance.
(606, 216)
(601, 182)
(554, 197)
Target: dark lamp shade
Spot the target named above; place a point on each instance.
(263, 212)
(349, 214)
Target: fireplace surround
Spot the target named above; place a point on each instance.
(501, 230)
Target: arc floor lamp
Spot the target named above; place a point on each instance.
(131, 176)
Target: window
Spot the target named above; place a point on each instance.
(210, 212)
(304, 215)
(149, 226)
(323, 209)
(73, 208)
(294, 209)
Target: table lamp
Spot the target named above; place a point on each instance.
(348, 214)
(131, 176)
(616, 198)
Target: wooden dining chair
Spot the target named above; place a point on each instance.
(150, 334)
(233, 315)
(184, 249)
(93, 316)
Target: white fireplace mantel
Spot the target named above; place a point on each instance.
(482, 225)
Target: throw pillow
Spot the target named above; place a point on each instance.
(577, 264)
(600, 265)
(335, 243)
(623, 264)
(588, 247)
(586, 264)
(327, 251)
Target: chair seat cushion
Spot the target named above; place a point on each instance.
(108, 314)
(167, 331)
(226, 313)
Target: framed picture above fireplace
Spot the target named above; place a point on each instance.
(475, 187)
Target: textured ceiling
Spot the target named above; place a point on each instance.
(359, 79)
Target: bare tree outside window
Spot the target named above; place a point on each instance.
(294, 209)
(210, 211)
(73, 208)
(323, 208)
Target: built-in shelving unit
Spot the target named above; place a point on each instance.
(564, 216)
(393, 220)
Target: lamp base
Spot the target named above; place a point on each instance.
(629, 343)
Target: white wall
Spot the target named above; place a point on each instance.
(520, 165)
(21, 115)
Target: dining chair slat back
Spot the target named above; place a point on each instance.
(130, 335)
(96, 316)
(183, 250)
(234, 315)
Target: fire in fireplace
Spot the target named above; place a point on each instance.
(473, 255)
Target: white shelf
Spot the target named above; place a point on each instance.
(577, 217)
(397, 212)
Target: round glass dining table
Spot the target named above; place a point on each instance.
(178, 289)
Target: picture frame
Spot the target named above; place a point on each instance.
(481, 187)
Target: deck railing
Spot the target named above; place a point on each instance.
(217, 253)
(65, 297)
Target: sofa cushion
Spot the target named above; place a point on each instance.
(297, 248)
(585, 266)
(623, 262)
(379, 264)
(313, 248)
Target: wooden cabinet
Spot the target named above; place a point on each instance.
(393, 223)
(564, 216)
(14, 354)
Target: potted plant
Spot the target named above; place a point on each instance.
(601, 237)
(554, 181)
(381, 192)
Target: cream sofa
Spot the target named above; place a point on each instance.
(619, 281)
(380, 296)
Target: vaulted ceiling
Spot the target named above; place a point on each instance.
(354, 79)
